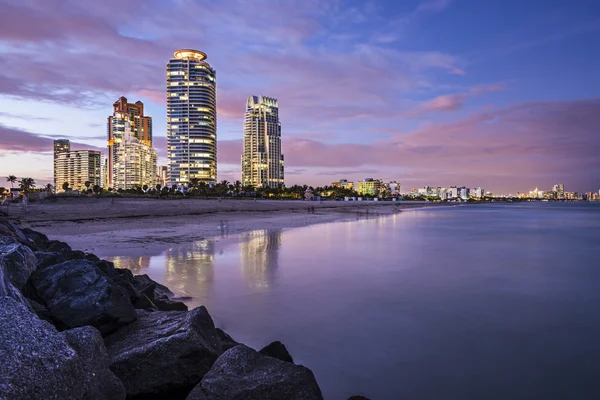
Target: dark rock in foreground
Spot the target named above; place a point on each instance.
(242, 373)
(7, 289)
(20, 262)
(164, 354)
(277, 350)
(77, 294)
(39, 362)
(157, 294)
(227, 341)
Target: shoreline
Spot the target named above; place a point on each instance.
(122, 227)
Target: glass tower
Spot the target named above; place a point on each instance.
(262, 161)
(191, 118)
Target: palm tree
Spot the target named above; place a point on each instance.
(12, 179)
(65, 186)
(26, 184)
(87, 184)
(49, 188)
(193, 184)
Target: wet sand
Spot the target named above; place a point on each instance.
(124, 226)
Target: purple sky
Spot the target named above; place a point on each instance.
(502, 94)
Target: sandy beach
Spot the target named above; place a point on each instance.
(124, 226)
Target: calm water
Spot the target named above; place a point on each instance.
(472, 302)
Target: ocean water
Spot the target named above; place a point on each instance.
(468, 302)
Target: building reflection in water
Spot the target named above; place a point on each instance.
(259, 252)
(190, 269)
(137, 265)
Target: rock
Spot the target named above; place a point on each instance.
(41, 311)
(164, 354)
(19, 261)
(358, 398)
(4, 240)
(40, 240)
(158, 294)
(77, 293)
(57, 246)
(8, 229)
(45, 258)
(243, 373)
(7, 289)
(227, 341)
(277, 350)
(38, 362)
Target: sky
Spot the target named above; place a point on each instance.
(502, 94)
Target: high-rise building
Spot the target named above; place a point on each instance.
(125, 114)
(369, 186)
(60, 146)
(78, 167)
(134, 162)
(162, 175)
(262, 161)
(191, 118)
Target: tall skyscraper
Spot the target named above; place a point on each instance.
(76, 168)
(191, 118)
(135, 162)
(60, 146)
(125, 114)
(262, 161)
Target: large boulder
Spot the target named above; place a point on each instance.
(20, 262)
(8, 229)
(243, 373)
(38, 362)
(77, 293)
(277, 349)
(47, 258)
(164, 354)
(7, 289)
(40, 240)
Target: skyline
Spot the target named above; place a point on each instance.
(498, 95)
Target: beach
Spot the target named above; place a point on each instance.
(123, 226)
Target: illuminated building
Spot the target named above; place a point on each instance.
(162, 175)
(134, 162)
(344, 184)
(125, 115)
(477, 192)
(262, 161)
(60, 146)
(77, 167)
(191, 118)
(393, 188)
(369, 186)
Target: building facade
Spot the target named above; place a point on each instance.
(162, 175)
(78, 167)
(344, 184)
(60, 146)
(191, 118)
(369, 186)
(262, 161)
(134, 162)
(129, 115)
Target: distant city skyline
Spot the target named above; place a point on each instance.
(498, 94)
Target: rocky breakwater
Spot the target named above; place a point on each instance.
(73, 326)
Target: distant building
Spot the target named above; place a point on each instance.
(162, 175)
(191, 118)
(344, 184)
(78, 167)
(262, 161)
(369, 186)
(134, 163)
(60, 146)
(393, 188)
(125, 116)
(477, 193)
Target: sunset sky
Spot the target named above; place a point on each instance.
(503, 94)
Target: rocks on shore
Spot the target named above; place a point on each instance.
(243, 373)
(57, 304)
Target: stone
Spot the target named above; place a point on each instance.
(38, 362)
(57, 246)
(227, 341)
(77, 293)
(158, 294)
(45, 258)
(20, 262)
(8, 229)
(358, 398)
(7, 289)
(277, 349)
(40, 240)
(164, 354)
(243, 373)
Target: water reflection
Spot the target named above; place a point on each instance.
(259, 252)
(190, 269)
(137, 265)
